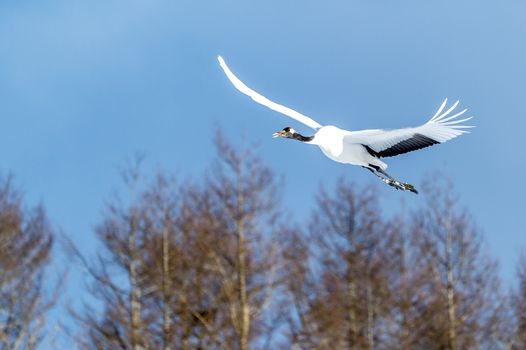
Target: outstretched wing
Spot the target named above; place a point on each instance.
(265, 101)
(387, 143)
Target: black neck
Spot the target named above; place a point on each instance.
(302, 138)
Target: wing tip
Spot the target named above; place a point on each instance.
(444, 118)
(439, 109)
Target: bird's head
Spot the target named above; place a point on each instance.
(287, 132)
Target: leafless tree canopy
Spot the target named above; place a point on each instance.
(25, 247)
(219, 263)
(190, 266)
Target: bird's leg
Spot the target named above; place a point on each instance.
(398, 184)
(383, 177)
(391, 181)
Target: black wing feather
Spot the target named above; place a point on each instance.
(415, 142)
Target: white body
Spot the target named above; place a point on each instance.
(332, 142)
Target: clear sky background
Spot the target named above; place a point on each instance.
(85, 84)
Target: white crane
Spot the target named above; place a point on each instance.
(365, 147)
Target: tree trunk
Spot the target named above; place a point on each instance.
(244, 319)
(135, 292)
(450, 296)
(351, 298)
(404, 301)
(370, 317)
(166, 286)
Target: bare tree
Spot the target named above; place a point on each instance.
(339, 293)
(404, 283)
(26, 239)
(422, 281)
(239, 216)
(189, 267)
(150, 277)
(182, 302)
(117, 275)
(460, 294)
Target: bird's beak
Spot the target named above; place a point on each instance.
(278, 134)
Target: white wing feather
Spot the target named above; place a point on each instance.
(265, 101)
(440, 128)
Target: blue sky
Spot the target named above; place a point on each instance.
(84, 85)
